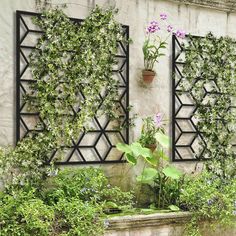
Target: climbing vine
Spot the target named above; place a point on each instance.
(210, 70)
(72, 67)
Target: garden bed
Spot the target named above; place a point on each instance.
(161, 224)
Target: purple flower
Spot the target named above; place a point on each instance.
(209, 202)
(180, 34)
(153, 27)
(163, 16)
(106, 223)
(158, 119)
(169, 28)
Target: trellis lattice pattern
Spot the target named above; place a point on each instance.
(96, 146)
(188, 143)
(185, 135)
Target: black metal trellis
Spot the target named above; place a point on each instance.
(185, 135)
(96, 146)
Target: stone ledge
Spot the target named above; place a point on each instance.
(152, 220)
(223, 5)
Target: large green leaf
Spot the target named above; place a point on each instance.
(174, 208)
(162, 139)
(131, 158)
(172, 172)
(124, 147)
(160, 154)
(138, 150)
(148, 176)
(152, 159)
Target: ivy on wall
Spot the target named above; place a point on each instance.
(71, 61)
(68, 60)
(211, 66)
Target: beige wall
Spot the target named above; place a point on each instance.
(135, 13)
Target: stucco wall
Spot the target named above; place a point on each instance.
(222, 5)
(135, 13)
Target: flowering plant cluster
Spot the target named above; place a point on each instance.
(151, 126)
(154, 43)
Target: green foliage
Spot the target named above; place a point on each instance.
(88, 184)
(210, 65)
(148, 132)
(210, 198)
(134, 151)
(148, 176)
(69, 204)
(24, 214)
(37, 215)
(164, 181)
(162, 139)
(151, 53)
(73, 60)
(23, 166)
(76, 218)
(172, 172)
(71, 65)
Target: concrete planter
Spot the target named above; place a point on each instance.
(159, 224)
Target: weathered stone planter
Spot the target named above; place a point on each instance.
(159, 224)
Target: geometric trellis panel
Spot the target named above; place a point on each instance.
(185, 134)
(188, 143)
(95, 146)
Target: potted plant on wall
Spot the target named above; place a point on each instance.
(154, 44)
(151, 126)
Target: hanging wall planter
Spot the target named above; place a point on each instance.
(148, 76)
(152, 147)
(154, 44)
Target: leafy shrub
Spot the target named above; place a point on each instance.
(69, 204)
(37, 216)
(24, 214)
(74, 217)
(211, 198)
(88, 184)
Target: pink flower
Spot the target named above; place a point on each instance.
(153, 27)
(169, 28)
(158, 119)
(163, 16)
(180, 34)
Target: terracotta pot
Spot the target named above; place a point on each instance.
(148, 76)
(152, 147)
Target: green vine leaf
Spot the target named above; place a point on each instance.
(72, 68)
